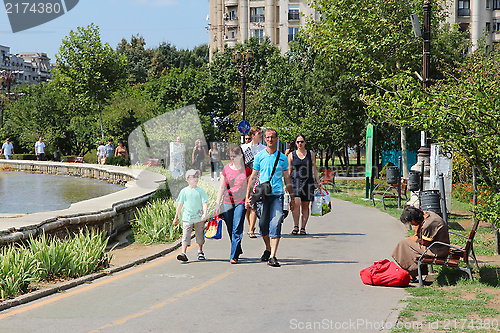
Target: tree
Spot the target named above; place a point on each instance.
(88, 69)
(138, 58)
(462, 111)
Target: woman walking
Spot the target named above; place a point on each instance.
(233, 187)
(214, 161)
(199, 155)
(304, 176)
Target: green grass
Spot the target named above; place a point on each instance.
(452, 303)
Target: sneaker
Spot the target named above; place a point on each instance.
(273, 262)
(265, 255)
(182, 257)
(212, 178)
(233, 261)
(218, 178)
(201, 256)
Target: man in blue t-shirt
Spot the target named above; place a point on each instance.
(272, 205)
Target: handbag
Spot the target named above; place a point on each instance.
(265, 189)
(214, 228)
(321, 204)
(385, 273)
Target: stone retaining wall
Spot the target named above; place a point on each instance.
(109, 213)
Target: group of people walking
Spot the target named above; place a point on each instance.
(251, 165)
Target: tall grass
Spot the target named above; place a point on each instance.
(154, 223)
(47, 258)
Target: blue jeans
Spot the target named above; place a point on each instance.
(235, 218)
(271, 216)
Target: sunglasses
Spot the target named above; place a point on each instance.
(196, 176)
(248, 139)
(300, 141)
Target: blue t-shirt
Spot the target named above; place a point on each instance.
(264, 163)
(193, 200)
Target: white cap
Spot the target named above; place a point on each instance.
(192, 172)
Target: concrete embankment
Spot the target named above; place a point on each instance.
(109, 213)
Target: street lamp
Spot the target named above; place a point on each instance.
(243, 60)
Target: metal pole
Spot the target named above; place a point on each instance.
(243, 88)
(427, 44)
(399, 182)
(443, 198)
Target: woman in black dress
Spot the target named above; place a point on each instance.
(304, 176)
(199, 156)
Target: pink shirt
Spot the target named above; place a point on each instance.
(236, 180)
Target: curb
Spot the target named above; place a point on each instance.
(23, 299)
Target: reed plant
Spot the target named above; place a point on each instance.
(52, 255)
(18, 269)
(154, 223)
(88, 250)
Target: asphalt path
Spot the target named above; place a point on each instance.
(317, 288)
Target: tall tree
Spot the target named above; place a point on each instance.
(89, 69)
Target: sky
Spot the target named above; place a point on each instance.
(181, 23)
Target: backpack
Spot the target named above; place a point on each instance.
(385, 273)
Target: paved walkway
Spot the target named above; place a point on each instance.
(317, 287)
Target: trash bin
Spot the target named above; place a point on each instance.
(392, 174)
(431, 200)
(413, 180)
(57, 156)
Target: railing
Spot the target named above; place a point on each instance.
(257, 18)
(464, 12)
(293, 16)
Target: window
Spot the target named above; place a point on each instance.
(293, 13)
(488, 27)
(488, 4)
(292, 33)
(464, 7)
(496, 4)
(259, 33)
(231, 15)
(257, 14)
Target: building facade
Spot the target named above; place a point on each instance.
(25, 67)
(234, 21)
(480, 17)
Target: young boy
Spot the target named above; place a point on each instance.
(194, 199)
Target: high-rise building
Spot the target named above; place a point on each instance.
(234, 21)
(480, 17)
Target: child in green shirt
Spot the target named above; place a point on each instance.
(194, 200)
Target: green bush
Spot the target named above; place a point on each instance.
(462, 192)
(18, 269)
(154, 223)
(117, 160)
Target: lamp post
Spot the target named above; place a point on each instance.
(243, 60)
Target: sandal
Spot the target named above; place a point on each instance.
(251, 234)
(295, 230)
(303, 231)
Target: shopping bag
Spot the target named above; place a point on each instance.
(214, 228)
(321, 203)
(385, 273)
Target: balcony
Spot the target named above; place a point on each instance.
(257, 18)
(464, 12)
(228, 3)
(293, 16)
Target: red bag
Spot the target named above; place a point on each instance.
(385, 273)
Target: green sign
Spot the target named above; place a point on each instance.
(369, 149)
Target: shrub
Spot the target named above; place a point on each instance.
(154, 223)
(462, 192)
(117, 160)
(18, 269)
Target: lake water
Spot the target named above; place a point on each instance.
(22, 192)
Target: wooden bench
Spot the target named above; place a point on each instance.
(75, 159)
(456, 255)
(387, 191)
(151, 162)
(327, 178)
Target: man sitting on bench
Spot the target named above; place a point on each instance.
(429, 227)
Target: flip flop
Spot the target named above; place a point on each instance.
(251, 235)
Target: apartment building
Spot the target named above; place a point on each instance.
(234, 21)
(480, 17)
(25, 67)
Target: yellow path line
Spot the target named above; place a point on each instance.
(168, 301)
(89, 287)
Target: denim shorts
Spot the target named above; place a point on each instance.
(271, 215)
